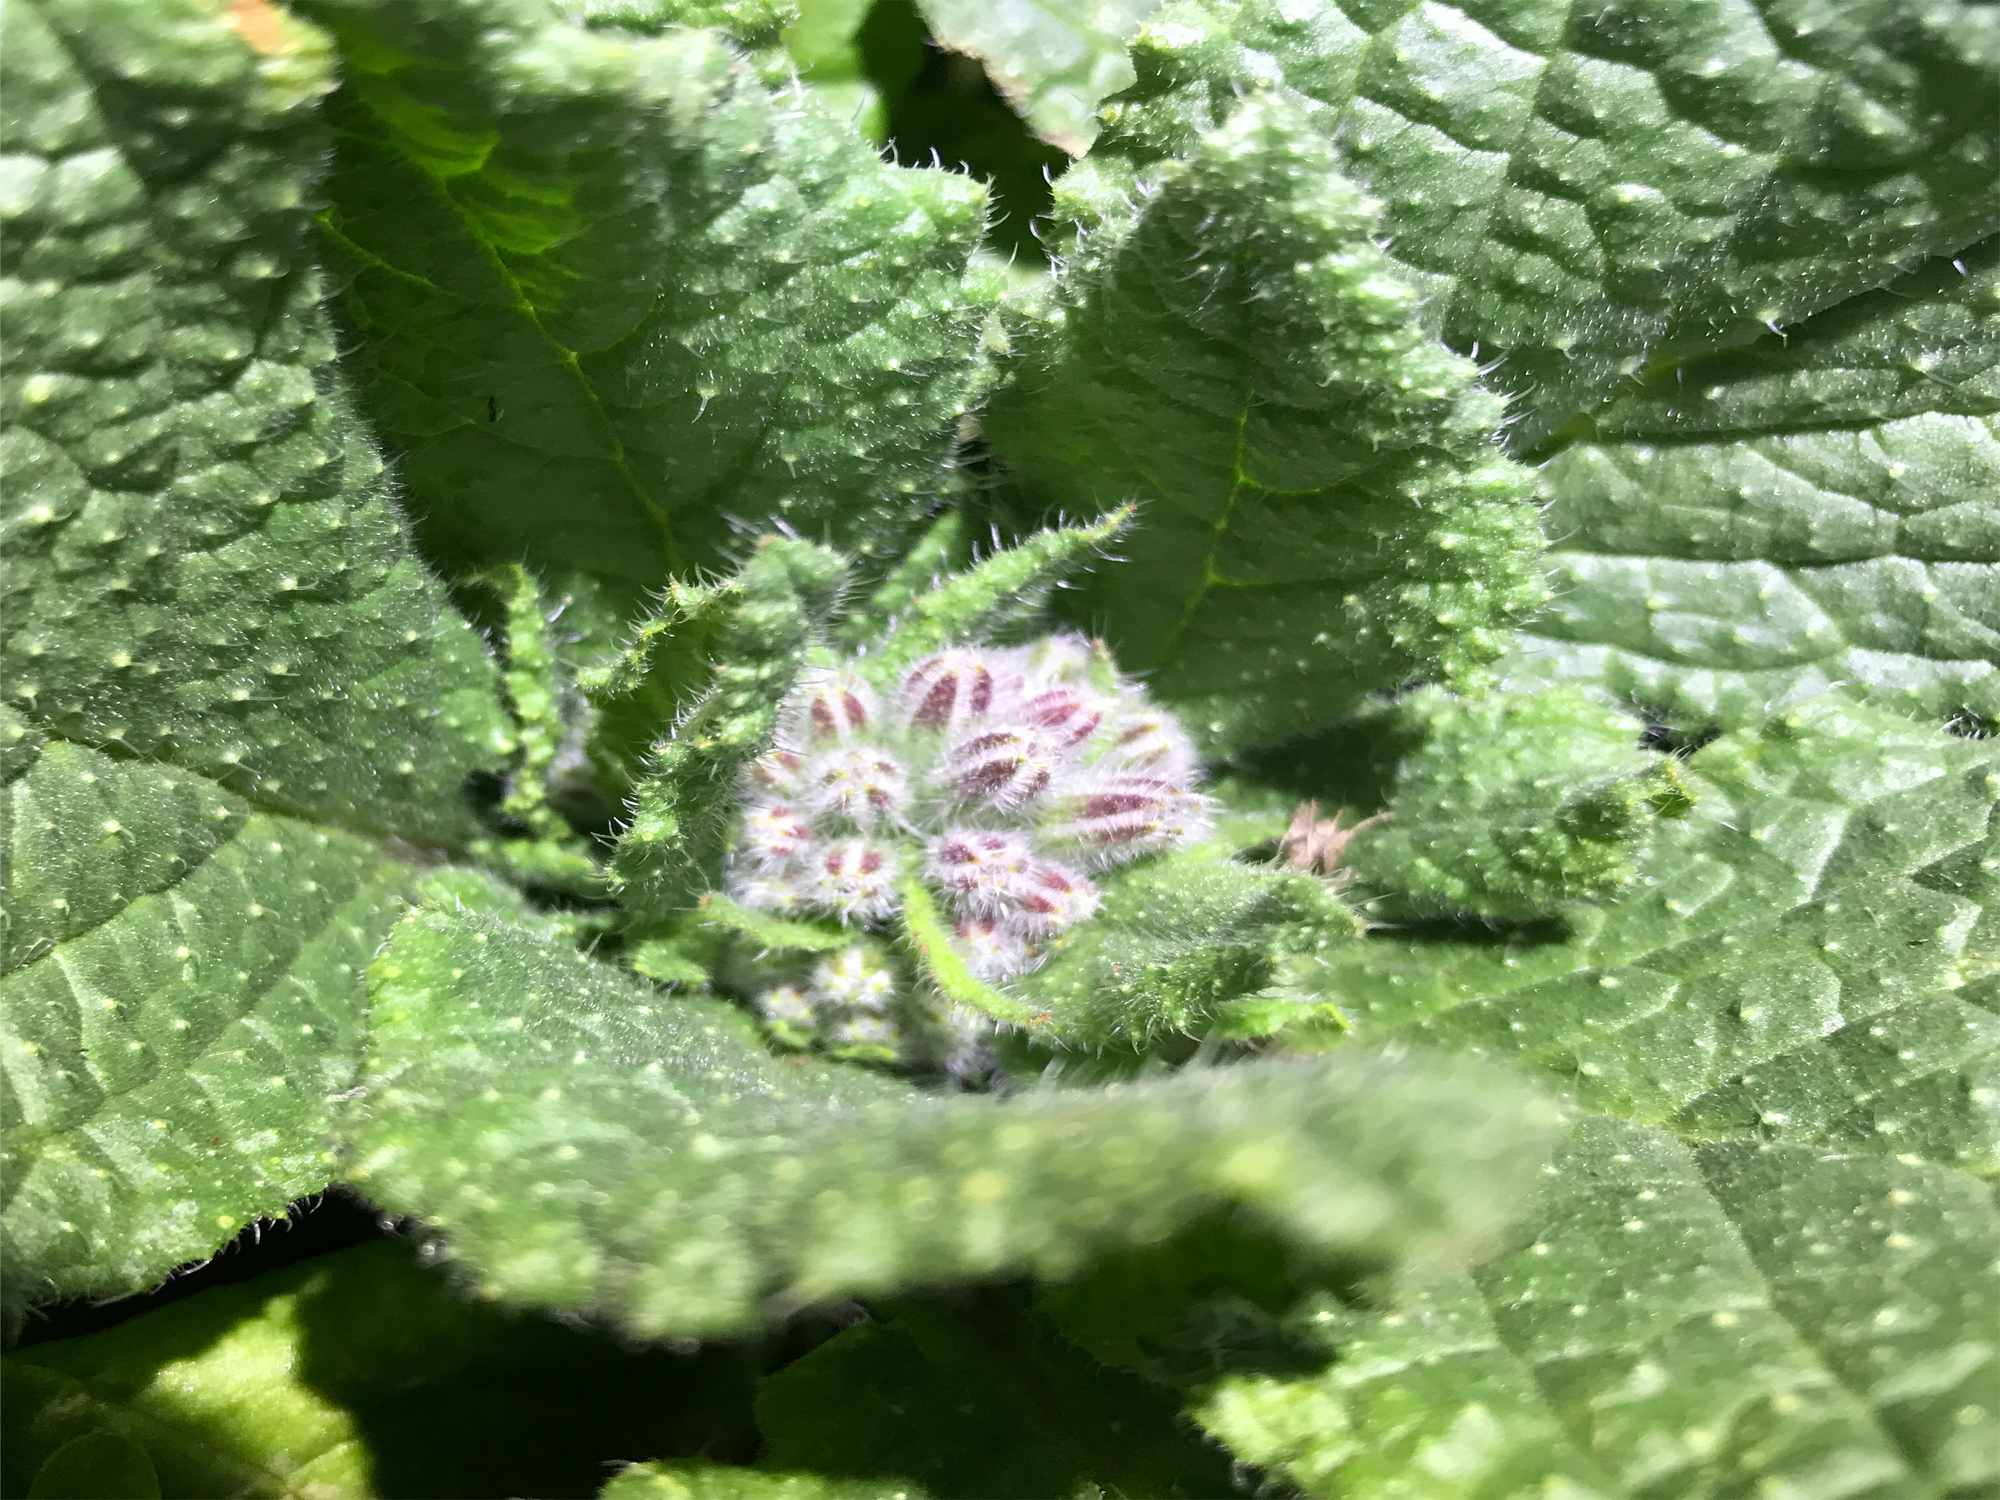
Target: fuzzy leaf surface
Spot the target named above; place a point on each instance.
(765, 619)
(1514, 806)
(1583, 189)
(1808, 956)
(612, 292)
(1004, 592)
(1181, 944)
(1675, 1320)
(1326, 513)
(1813, 511)
(1055, 63)
(205, 567)
(231, 681)
(586, 1143)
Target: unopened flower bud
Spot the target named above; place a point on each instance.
(868, 1033)
(1151, 741)
(1067, 659)
(786, 1005)
(857, 782)
(837, 706)
(990, 950)
(968, 1051)
(1003, 767)
(853, 979)
(951, 689)
(999, 776)
(978, 869)
(1067, 714)
(855, 880)
(771, 891)
(1118, 815)
(1051, 897)
(778, 772)
(774, 834)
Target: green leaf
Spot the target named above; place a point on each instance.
(1808, 956)
(659, 670)
(1004, 589)
(699, 1481)
(1513, 806)
(930, 1394)
(551, 724)
(99, 1464)
(1678, 1320)
(767, 618)
(360, 1373)
(1583, 189)
(242, 702)
(1326, 513)
(205, 567)
(859, 57)
(611, 294)
(535, 697)
(1817, 509)
(940, 550)
(764, 931)
(754, 25)
(586, 1143)
(181, 996)
(1055, 63)
(1186, 944)
(927, 936)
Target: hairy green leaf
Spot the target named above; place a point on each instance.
(1821, 508)
(942, 548)
(1583, 188)
(535, 697)
(585, 1142)
(1808, 956)
(182, 994)
(755, 25)
(1327, 514)
(242, 703)
(928, 938)
(1513, 806)
(611, 293)
(361, 1373)
(1687, 1321)
(768, 617)
(859, 57)
(1055, 63)
(196, 528)
(978, 602)
(1184, 945)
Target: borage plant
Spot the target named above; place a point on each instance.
(1339, 838)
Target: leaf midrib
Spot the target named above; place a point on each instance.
(568, 359)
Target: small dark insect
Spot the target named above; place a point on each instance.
(492, 409)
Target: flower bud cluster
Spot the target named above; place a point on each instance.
(1000, 778)
(844, 1001)
(860, 1004)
